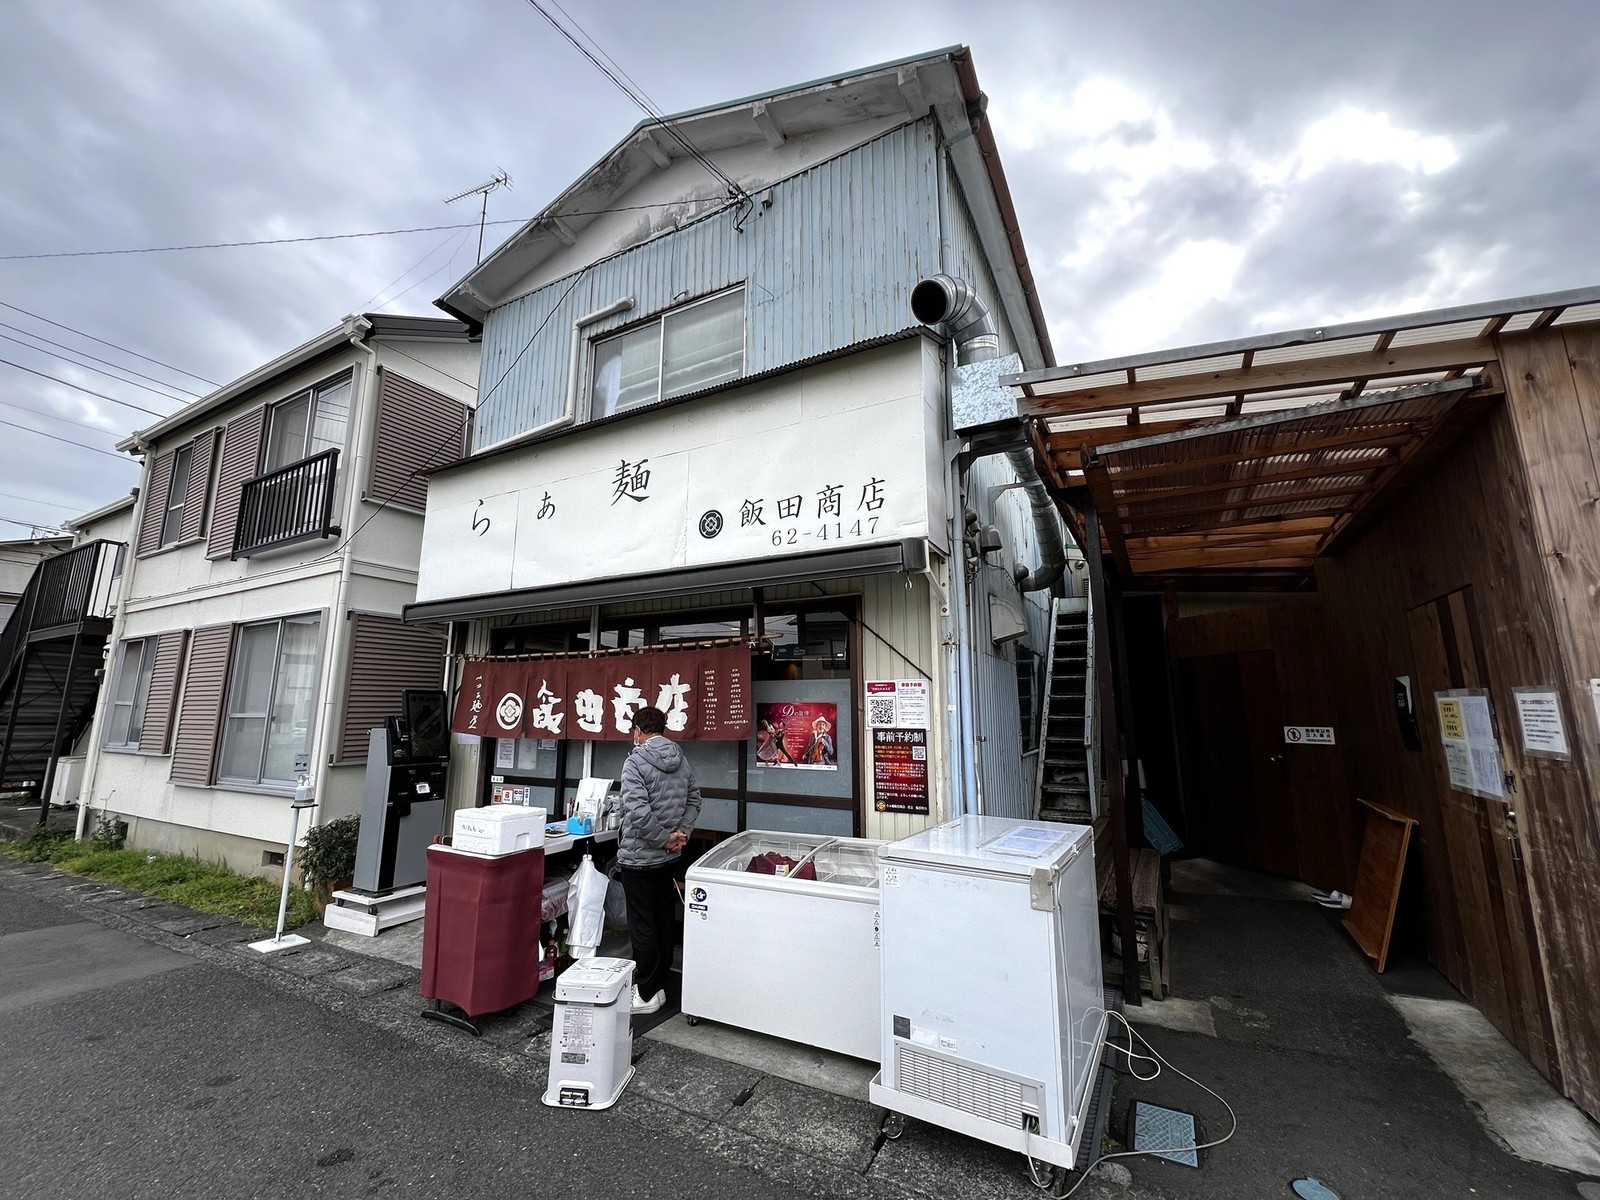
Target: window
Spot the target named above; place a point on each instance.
(687, 349)
(307, 424)
(125, 721)
(177, 492)
(272, 700)
(1028, 697)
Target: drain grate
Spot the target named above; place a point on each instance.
(1164, 1133)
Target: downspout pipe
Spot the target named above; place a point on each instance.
(954, 303)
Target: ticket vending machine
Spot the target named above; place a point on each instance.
(402, 808)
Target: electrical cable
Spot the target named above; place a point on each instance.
(445, 265)
(97, 370)
(636, 94)
(321, 237)
(33, 525)
(55, 438)
(381, 292)
(432, 367)
(1153, 1057)
(92, 358)
(39, 412)
(103, 342)
(36, 500)
(88, 391)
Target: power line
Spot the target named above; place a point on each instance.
(103, 342)
(432, 367)
(39, 412)
(636, 94)
(68, 441)
(33, 525)
(36, 500)
(332, 237)
(88, 391)
(92, 358)
(71, 362)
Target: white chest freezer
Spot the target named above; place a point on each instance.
(993, 1014)
(791, 954)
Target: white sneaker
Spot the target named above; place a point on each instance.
(641, 1006)
(1334, 900)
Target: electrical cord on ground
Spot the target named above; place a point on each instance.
(1156, 1058)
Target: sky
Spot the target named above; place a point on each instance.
(1183, 170)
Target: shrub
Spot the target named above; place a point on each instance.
(328, 858)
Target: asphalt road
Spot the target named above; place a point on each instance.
(131, 1070)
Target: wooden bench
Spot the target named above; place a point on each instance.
(1149, 920)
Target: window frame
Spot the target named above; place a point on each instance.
(228, 715)
(177, 496)
(137, 703)
(313, 396)
(593, 409)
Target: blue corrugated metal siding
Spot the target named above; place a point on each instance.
(830, 264)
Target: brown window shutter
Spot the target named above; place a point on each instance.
(194, 750)
(387, 656)
(155, 505)
(199, 489)
(417, 429)
(155, 733)
(241, 456)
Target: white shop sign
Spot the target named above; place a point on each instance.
(657, 494)
(1308, 735)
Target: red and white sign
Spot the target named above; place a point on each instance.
(1308, 735)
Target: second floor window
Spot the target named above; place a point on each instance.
(307, 424)
(177, 494)
(682, 351)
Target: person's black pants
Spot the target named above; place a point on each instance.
(652, 924)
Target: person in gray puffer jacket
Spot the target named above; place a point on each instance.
(660, 804)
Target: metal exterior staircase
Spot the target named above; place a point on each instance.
(51, 655)
(1065, 790)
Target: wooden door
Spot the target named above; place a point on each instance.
(1481, 922)
(1234, 761)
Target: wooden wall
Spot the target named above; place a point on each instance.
(1484, 573)
(1502, 533)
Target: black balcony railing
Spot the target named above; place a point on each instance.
(63, 593)
(291, 504)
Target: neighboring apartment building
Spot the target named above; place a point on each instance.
(59, 598)
(274, 546)
(715, 421)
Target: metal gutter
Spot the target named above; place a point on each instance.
(104, 511)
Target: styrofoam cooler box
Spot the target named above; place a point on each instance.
(498, 829)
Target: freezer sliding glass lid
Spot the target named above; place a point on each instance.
(851, 861)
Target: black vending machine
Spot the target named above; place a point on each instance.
(402, 808)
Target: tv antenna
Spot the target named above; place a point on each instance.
(501, 179)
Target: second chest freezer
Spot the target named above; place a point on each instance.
(780, 935)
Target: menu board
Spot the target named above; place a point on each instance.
(900, 770)
(705, 695)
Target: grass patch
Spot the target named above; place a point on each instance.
(205, 887)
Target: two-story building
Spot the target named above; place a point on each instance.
(273, 548)
(710, 418)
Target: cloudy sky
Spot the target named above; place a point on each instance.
(1184, 169)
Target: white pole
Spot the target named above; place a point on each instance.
(302, 799)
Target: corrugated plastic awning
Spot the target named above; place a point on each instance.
(1255, 455)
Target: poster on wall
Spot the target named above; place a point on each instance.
(705, 695)
(898, 704)
(1544, 733)
(900, 770)
(797, 734)
(1471, 753)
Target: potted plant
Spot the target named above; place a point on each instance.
(328, 859)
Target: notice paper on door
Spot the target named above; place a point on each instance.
(1471, 753)
(1544, 733)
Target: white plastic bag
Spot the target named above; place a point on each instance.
(586, 909)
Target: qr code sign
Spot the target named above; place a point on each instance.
(919, 754)
(880, 710)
